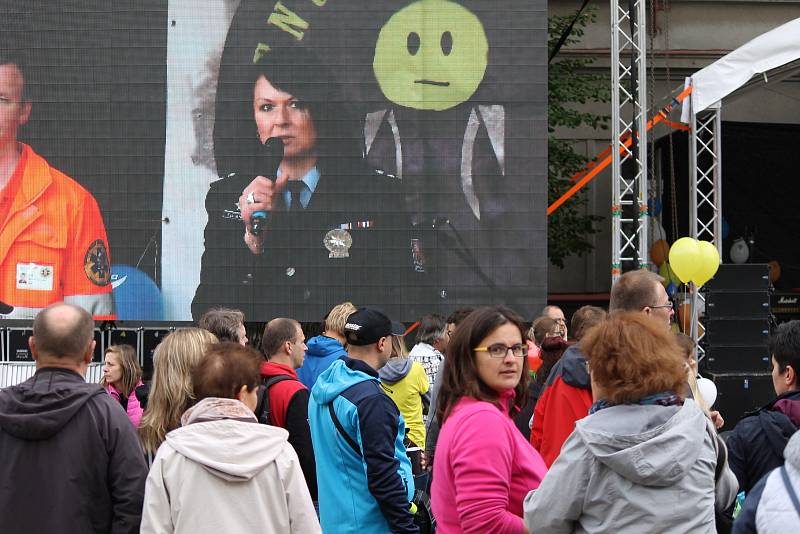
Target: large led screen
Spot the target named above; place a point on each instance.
(161, 158)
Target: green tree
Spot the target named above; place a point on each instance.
(569, 83)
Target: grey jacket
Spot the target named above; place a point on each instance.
(769, 508)
(633, 469)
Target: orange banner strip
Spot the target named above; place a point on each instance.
(594, 167)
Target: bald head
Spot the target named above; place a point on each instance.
(63, 332)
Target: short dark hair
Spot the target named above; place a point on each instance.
(67, 338)
(634, 291)
(584, 319)
(18, 58)
(459, 315)
(223, 323)
(431, 329)
(784, 346)
(224, 369)
(277, 332)
(460, 373)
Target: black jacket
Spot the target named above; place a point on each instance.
(755, 445)
(71, 460)
(297, 275)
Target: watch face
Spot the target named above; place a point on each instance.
(338, 243)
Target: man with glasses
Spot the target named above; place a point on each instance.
(642, 291)
(53, 244)
(286, 406)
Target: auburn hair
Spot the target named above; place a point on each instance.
(632, 356)
(460, 373)
(224, 369)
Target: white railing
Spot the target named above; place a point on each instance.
(12, 373)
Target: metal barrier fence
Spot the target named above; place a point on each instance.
(12, 373)
(17, 365)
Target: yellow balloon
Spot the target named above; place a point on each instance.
(684, 256)
(707, 264)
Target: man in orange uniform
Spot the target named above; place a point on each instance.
(53, 244)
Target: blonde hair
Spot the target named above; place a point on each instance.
(171, 391)
(337, 317)
(131, 372)
(399, 349)
(689, 347)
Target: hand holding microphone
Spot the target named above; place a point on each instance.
(257, 199)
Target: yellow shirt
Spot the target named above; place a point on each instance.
(407, 395)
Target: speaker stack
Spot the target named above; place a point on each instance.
(737, 323)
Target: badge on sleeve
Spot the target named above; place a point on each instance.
(34, 277)
(96, 264)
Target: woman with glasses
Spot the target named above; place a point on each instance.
(484, 466)
(646, 459)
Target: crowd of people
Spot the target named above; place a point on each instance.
(488, 424)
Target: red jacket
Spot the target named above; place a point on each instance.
(280, 394)
(288, 407)
(567, 397)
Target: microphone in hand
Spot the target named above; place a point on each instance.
(269, 162)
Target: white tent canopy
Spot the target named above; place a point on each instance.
(766, 52)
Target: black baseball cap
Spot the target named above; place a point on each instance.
(366, 326)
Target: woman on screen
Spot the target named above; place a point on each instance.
(308, 213)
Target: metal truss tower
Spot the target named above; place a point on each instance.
(705, 195)
(629, 213)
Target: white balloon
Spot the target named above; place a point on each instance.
(708, 390)
(739, 251)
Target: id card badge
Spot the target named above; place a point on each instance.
(34, 277)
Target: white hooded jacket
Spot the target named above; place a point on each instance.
(633, 469)
(227, 475)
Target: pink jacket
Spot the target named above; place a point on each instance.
(484, 468)
(134, 408)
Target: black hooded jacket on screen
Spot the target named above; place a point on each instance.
(71, 459)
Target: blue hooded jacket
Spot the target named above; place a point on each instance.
(368, 493)
(322, 352)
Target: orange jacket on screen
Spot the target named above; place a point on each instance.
(53, 245)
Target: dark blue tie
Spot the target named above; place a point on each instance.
(295, 187)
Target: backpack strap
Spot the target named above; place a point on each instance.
(790, 489)
(262, 403)
(350, 441)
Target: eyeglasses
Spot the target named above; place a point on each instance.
(668, 305)
(499, 350)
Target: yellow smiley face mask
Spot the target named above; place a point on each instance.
(431, 55)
